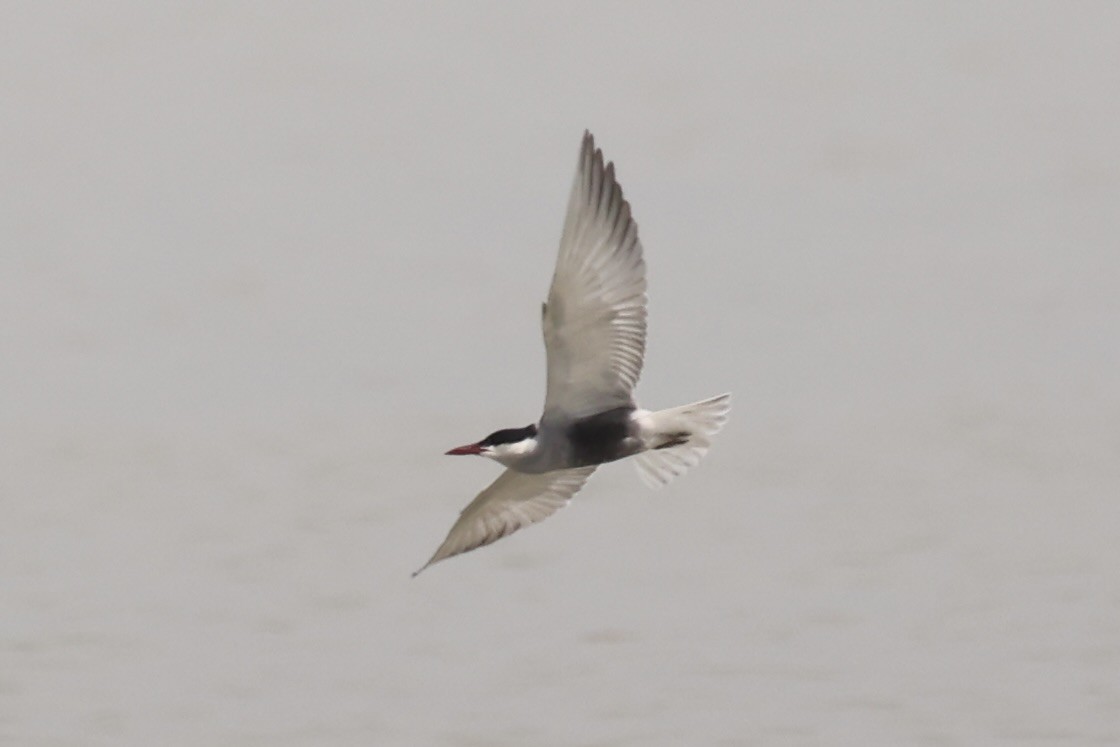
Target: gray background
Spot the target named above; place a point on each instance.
(263, 263)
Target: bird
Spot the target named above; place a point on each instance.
(594, 327)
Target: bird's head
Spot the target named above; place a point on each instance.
(506, 446)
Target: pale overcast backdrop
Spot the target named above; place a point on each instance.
(261, 264)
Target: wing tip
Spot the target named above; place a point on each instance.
(591, 155)
(597, 180)
(587, 151)
(424, 567)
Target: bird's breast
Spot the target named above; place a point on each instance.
(603, 437)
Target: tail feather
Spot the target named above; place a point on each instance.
(678, 438)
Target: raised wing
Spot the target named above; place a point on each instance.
(595, 319)
(511, 502)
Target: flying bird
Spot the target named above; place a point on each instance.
(594, 324)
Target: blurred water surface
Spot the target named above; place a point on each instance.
(262, 264)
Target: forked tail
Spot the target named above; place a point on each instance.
(678, 438)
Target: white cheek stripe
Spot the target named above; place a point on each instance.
(521, 447)
(510, 453)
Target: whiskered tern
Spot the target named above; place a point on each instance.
(594, 326)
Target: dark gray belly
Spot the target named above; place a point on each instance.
(604, 437)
